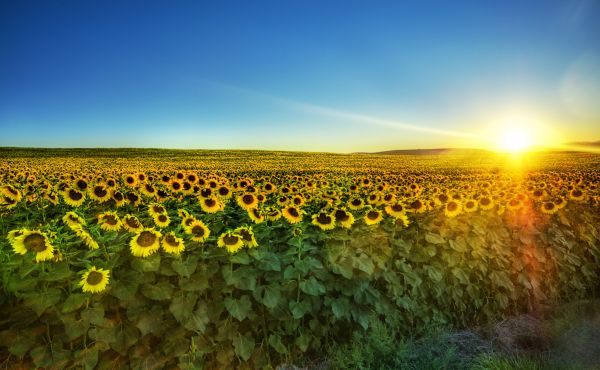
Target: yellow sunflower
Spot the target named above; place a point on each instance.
(395, 210)
(162, 220)
(211, 204)
(99, 193)
(156, 209)
(256, 215)
(549, 208)
(145, 242)
(73, 197)
(198, 230)
(247, 236)
(33, 241)
(514, 204)
(470, 205)
(356, 203)
(453, 208)
(172, 244)
(324, 220)
(86, 238)
(486, 203)
(231, 241)
(577, 195)
(273, 214)
(247, 201)
(292, 214)
(373, 217)
(109, 221)
(401, 220)
(94, 280)
(344, 218)
(73, 220)
(132, 224)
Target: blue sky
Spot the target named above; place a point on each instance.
(299, 75)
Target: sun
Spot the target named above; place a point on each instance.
(514, 140)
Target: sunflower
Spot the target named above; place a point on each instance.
(470, 205)
(118, 197)
(453, 208)
(486, 203)
(99, 193)
(401, 220)
(156, 209)
(94, 280)
(247, 236)
(549, 208)
(344, 218)
(514, 204)
(198, 230)
(231, 241)
(132, 224)
(161, 220)
(256, 215)
(145, 242)
(11, 192)
(224, 192)
(373, 217)
(86, 238)
(324, 220)
(417, 206)
(395, 210)
(130, 180)
(577, 194)
(73, 197)
(73, 220)
(356, 203)
(273, 214)
(560, 202)
(211, 204)
(247, 201)
(292, 214)
(109, 221)
(172, 244)
(33, 241)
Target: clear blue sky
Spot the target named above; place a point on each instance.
(299, 75)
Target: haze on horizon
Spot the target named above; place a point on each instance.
(345, 76)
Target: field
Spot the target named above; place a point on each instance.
(250, 259)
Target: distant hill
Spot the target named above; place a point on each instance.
(438, 151)
(585, 143)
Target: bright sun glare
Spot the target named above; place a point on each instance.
(515, 140)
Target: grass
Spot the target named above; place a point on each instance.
(572, 334)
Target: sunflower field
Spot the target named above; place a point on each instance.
(248, 259)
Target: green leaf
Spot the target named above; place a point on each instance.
(299, 309)
(243, 278)
(40, 301)
(182, 305)
(148, 264)
(312, 287)
(275, 342)
(161, 291)
(269, 262)
(239, 308)
(150, 321)
(89, 358)
(340, 307)
(74, 302)
(461, 275)
(75, 328)
(459, 245)
(59, 272)
(303, 341)
(272, 295)
(41, 356)
(198, 320)
(198, 282)
(434, 274)
(185, 267)
(434, 238)
(244, 346)
(21, 344)
(123, 290)
(240, 257)
(364, 263)
(93, 315)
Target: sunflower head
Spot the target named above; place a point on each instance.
(33, 241)
(94, 280)
(198, 230)
(324, 220)
(344, 218)
(230, 241)
(145, 242)
(172, 244)
(373, 217)
(247, 236)
(453, 208)
(292, 214)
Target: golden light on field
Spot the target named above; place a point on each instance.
(522, 132)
